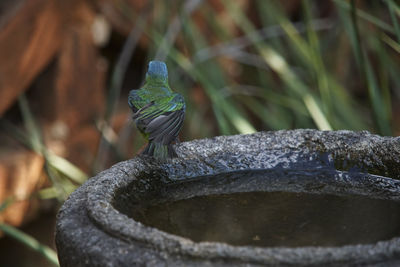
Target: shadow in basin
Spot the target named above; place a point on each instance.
(267, 208)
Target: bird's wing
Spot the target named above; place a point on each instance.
(165, 128)
(135, 101)
(162, 121)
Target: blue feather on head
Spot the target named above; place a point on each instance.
(157, 69)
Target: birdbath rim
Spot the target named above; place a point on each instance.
(297, 150)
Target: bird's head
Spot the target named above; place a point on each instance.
(157, 71)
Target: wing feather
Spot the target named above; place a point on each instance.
(162, 122)
(166, 128)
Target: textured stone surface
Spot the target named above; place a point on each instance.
(92, 229)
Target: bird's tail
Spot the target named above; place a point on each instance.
(159, 150)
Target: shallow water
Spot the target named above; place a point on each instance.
(276, 219)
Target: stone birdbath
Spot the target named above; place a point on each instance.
(285, 198)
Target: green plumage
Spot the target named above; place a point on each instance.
(158, 111)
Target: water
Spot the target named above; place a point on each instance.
(270, 219)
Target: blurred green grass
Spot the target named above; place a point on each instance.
(300, 84)
(269, 71)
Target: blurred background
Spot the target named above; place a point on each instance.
(66, 68)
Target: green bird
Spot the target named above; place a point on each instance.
(157, 111)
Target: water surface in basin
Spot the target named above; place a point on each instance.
(276, 219)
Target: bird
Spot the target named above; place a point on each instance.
(158, 112)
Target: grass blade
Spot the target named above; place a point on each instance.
(6, 203)
(382, 118)
(316, 113)
(364, 15)
(67, 168)
(392, 7)
(31, 242)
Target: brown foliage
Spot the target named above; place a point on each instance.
(69, 97)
